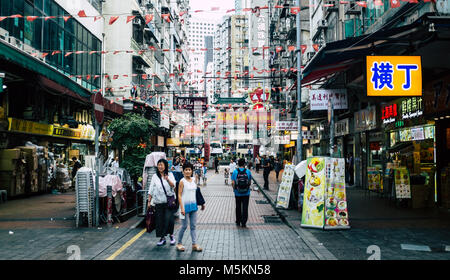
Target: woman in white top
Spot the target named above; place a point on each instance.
(187, 190)
(164, 217)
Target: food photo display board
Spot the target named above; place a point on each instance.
(402, 184)
(325, 199)
(284, 190)
(336, 213)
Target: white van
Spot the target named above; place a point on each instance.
(242, 149)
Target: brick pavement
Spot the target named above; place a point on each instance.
(374, 221)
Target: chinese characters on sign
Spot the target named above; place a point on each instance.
(388, 113)
(412, 107)
(261, 32)
(394, 76)
(318, 99)
(286, 125)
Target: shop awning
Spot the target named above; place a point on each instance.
(23, 59)
(339, 56)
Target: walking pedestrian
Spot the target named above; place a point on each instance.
(163, 185)
(351, 169)
(177, 169)
(257, 163)
(76, 165)
(232, 166)
(216, 164)
(267, 167)
(241, 181)
(188, 207)
(278, 167)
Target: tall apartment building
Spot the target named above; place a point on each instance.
(231, 56)
(200, 33)
(155, 64)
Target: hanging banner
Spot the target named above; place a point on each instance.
(318, 99)
(313, 198)
(336, 214)
(284, 191)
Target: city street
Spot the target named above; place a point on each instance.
(263, 239)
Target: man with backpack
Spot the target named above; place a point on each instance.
(241, 179)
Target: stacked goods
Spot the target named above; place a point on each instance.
(11, 172)
(445, 187)
(31, 158)
(63, 181)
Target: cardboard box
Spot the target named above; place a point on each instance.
(8, 164)
(9, 154)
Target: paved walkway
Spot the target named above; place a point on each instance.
(399, 233)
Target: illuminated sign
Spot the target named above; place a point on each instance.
(412, 108)
(389, 113)
(394, 76)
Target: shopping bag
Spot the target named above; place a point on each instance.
(150, 219)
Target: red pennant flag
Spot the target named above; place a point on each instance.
(148, 18)
(182, 13)
(130, 18)
(179, 50)
(66, 18)
(413, 1)
(166, 17)
(31, 18)
(2, 18)
(291, 48)
(67, 54)
(50, 17)
(44, 54)
(316, 47)
(279, 6)
(303, 47)
(378, 3)
(362, 4)
(344, 2)
(16, 16)
(198, 11)
(97, 18)
(328, 5)
(113, 19)
(295, 10)
(278, 49)
(81, 13)
(215, 8)
(247, 9)
(88, 77)
(395, 3)
(232, 10)
(115, 77)
(55, 52)
(264, 7)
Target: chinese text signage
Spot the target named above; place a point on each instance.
(318, 99)
(394, 76)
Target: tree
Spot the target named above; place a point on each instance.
(132, 133)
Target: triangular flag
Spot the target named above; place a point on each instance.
(2, 18)
(97, 18)
(291, 48)
(148, 18)
(81, 13)
(66, 18)
(303, 47)
(113, 19)
(130, 18)
(295, 10)
(395, 3)
(31, 18)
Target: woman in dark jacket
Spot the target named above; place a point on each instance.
(278, 167)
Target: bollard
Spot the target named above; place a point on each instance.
(109, 205)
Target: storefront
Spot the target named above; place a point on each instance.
(365, 127)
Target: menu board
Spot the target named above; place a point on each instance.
(402, 183)
(314, 194)
(284, 191)
(336, 213)
(374, 179)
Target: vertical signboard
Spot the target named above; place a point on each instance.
(313, 198)
(284, 191)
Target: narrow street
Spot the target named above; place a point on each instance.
(263, 239)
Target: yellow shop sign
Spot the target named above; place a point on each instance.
(24, 126)
(394, 76)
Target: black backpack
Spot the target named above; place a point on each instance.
(242, 181)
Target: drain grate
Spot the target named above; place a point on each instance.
(272, 220)
(261, 202)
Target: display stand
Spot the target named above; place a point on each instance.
(284, 190)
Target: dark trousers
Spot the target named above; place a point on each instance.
(242, 209)
(266, 179)
(164, 219)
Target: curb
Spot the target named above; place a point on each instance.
(307, 237)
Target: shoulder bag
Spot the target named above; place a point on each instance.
(171, 201)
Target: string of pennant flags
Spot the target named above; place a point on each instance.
(149, 17)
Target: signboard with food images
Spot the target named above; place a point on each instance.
(402, 184)
(313, 198)
(284, 191)
(336, 214)
(374, 178)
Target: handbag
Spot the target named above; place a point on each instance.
(199, 197)
(150, 223)
(171, 201)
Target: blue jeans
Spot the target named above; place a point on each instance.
(192, 222)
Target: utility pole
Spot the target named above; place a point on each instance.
(299, 87)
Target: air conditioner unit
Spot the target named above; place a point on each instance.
(139, 68)
(323, 23)
(4, 34)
